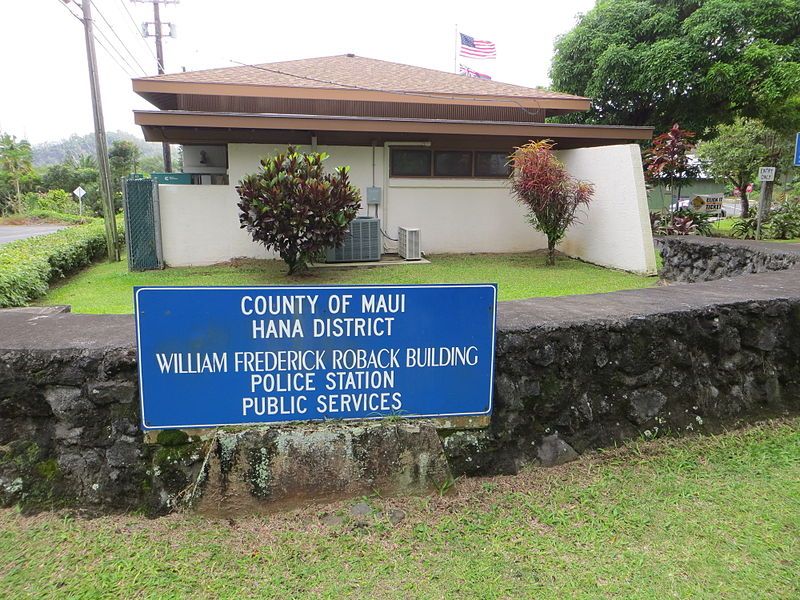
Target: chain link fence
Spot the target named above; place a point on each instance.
(142, 224)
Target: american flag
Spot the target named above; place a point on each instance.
(464, 70)
(473, 48)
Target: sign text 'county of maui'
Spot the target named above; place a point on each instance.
(213, 356)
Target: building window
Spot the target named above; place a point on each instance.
(492, 164)
(417, 162)
(407, 162)
(452, 164)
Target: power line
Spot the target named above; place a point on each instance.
(124, 45)
(114, 58)
(114, 47)
(139, 33)
(100, 42)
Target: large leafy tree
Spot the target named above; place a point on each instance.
(292, 206)
(735, 154)
(697, 62)
(16, 164)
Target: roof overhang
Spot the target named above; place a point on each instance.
(155, 124)
(159, 91)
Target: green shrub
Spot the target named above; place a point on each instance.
(745, 227)
(784, 222)
(52, 216)
(28, 266)
(57, 201)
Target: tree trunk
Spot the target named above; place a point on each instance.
(19, 196)
(551, 251)
(745, 201)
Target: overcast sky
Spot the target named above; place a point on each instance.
(45, 90)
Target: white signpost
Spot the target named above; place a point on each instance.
(766, 175)
(80, 193)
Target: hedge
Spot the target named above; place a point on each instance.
(28, 266)
(56, 217)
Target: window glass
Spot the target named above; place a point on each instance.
(491, 164)
(452, 164)
(410, 162)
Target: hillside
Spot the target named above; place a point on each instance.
(49, 153)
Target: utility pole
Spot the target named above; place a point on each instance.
(158, 33)
(100, 135)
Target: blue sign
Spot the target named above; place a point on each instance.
(797, 150)
(213, 356)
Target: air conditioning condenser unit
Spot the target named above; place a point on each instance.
(363, 242)
(408, 243)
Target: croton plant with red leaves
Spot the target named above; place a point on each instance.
(552, 196)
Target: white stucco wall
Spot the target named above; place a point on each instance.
(200, 224)
(614, 230)
(461, 215)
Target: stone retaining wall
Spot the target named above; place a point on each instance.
(688, 259)
(573, 374)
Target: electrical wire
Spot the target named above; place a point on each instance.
(124, 45)
(99, 42)
(399, 92)
(139, 34)
(100, 32)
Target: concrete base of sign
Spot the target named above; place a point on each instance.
(268, 468)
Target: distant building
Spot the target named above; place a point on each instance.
(435, 143)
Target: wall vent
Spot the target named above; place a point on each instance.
(363, 242)
(408, 246)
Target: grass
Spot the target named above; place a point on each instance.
(107, 288)
(700, 517)
(724, 228)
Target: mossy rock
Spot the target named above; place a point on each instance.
(172, 437)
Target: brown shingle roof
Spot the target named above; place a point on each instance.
(347, 71)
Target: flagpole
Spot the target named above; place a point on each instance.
(455, 52)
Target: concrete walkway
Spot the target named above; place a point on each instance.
(9, 233)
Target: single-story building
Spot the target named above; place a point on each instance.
(433, 144)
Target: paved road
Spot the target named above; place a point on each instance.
(9, 233)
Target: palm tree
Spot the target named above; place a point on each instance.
(16, 159)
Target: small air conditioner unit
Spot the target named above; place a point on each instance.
(408, 246)
(363, 242)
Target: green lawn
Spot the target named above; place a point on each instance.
(702, 517)
(724, 228)
(107, 288)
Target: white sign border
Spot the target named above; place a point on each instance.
(144, 427)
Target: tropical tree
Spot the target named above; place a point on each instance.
(16, 161)
(697, 62)
(541, 183)
(735, 154)
(292, 206)
(669, 160)
(123, 158)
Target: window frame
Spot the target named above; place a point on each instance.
(413, 149)
(432, 163)
(471, 154)
(509, 168)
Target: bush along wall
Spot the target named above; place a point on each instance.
(27, 267)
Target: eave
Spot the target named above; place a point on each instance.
(160, 93)
(175, 121)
